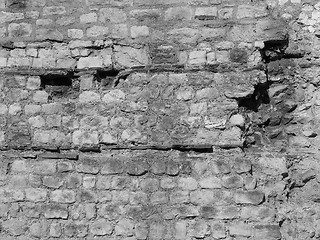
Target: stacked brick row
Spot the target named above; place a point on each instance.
(133, 195)
(125, 34)
(146, 109)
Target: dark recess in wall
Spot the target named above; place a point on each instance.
(259, 96)
(108, 78)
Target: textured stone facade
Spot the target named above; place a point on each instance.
(167, 119)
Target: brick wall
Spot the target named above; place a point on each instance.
(143, 119)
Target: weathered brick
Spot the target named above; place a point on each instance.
(55, 230)
(45, 167)
(63, 196)
(202, 197)
(15, 227)
(179, 197)
(137, 167)
(54, 10)
(73, 181)
(88, 166)
(103, 182)
(38, 229)
(10, 195)
(113, 15)
(270, 232)
(210, 182)
(232, 181)
(101, 227)
(178, 14)
(187, 183)
(206, 13)
(168, 183)
(36, 195)
(249, 197)
(112, 166)
(56, 212)
(124, 227)
(240, 229)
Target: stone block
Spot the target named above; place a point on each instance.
(249, 197)
(179, 197)
(56, 212)
(55, 230)
(202, 197)
(9, 195)
(149, 185)
(167, 183)
(75, 33)
(124, 227)
(88, 165)
(63, 196)
(139, 31)
(97, 31)
(45, 167)
(197, 58)
(187, 183)
(52, 181)
(232, 181)
(114, 15)
(206, 13)
(210, 182)
(54, 10)
(101, 227)
(270, 232)
(40, 97)
(131, 57)
(88, 18)
(36, 195)
(240, 229)
(15, 226)
(3, 109)
(33, 83)
(137, 167)
(248, 11)
(178, 14)
(17, 30)
(89, 62)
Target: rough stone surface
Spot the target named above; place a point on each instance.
(159, 119)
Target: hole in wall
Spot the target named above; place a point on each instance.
(260, 96)
(108, 78)
(274, 50)
(59, 84)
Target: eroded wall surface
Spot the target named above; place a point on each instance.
(168, 119)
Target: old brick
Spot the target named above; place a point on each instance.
(36, 195)
(54, 10)
(240, 229)
(55, 230)
(167, 183)
(40, 97)
(89, 182)
(270, 232)
(199, 229)
(10, 195)
(179, 197)
(56, 212)
(121, 196)
(202, 197)
(139, 197)
(149, 185)
(17, 30)
(141, 230)
(228, 212)
(210, 182)
(218, 230)
(158, 198)
(131, 57)
(249, 197)
(38, 229)
(103, 182)
(90, 62)
(63, 196)
(73, 181)
(113, 15)
(187, 183)
(139, 31)
(124, 227)
(137, 167)
(88, 165)
(64, 167)
(110, 211)
(178, 14)
(88, 18)
(15, 226)
(101, 227)
(232, 181)
(206, 13)
(112, 166)
(241, 165)
(45, 167)
(87, 196)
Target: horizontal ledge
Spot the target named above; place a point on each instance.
(176, 68)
